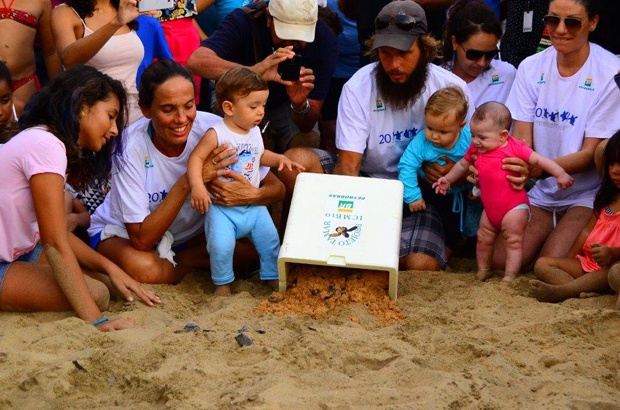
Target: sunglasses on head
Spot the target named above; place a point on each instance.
(475, 55)
(571, 23)
(403, 22)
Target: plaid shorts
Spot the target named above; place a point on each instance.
(422, 232)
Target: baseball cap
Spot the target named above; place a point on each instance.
(294, 19)
(399, 24)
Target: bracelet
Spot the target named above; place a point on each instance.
(303, 110)
(100, 321)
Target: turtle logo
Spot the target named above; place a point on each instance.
(344, 231)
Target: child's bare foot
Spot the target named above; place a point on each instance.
(273, 284)
(484, 274)
(618, 303)
(509, 277)
(223, 290)
(545, 292)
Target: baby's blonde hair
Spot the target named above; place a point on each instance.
(447, 100)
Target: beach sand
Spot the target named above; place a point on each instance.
(462, 344)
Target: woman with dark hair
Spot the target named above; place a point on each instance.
(564, 103)
(469, 50)
(68, 128)
(587, 267)
(101, 33)
(146, 223)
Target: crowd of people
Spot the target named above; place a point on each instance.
(114, 178)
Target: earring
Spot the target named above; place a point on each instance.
(82, 114)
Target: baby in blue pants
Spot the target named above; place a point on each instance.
(242, 94)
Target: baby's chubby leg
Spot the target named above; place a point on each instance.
(487, 234)
(513, 229)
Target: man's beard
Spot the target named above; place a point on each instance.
(399, 96)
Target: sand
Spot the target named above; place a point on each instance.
(462, 344)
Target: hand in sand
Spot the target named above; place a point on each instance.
(116, 324)
(125, 284)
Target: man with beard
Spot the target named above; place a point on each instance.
(381, 109)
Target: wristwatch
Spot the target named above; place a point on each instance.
(303, 110)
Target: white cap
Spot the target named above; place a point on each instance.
(294, 19)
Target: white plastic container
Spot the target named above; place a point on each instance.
(352, 222)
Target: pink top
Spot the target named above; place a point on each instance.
(33, 151)
(606, 232)
(498, 196)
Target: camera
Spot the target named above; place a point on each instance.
(289, 69)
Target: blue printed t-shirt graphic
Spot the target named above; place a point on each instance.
(247, 163)
(397, 135)
(562, 117)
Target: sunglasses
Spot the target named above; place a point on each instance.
(475, 55)
(571, 23)
(403, 22)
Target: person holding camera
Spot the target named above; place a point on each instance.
(262, 37)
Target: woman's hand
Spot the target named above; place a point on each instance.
(125, 284)
(215, 164)
(519, 166)
(237, 192)
(116, 324)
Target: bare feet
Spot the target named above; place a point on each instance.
(509, 277)
(586, 295)
(484, 274)
(618, 303)
(223, 290)
(273, 284)
(545, 292)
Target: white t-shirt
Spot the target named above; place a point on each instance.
(565, 110)
(366, 125)
(144, 177)
(249, 148)
(493, 84)
(31, 152)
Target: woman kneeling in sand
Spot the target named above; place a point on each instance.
(146, 223)
(68, 128)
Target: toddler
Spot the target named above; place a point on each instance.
(241, 94)
(444, 135)
(506, 210)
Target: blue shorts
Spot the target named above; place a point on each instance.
(31, 257)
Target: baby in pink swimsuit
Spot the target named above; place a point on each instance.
(506, 210)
